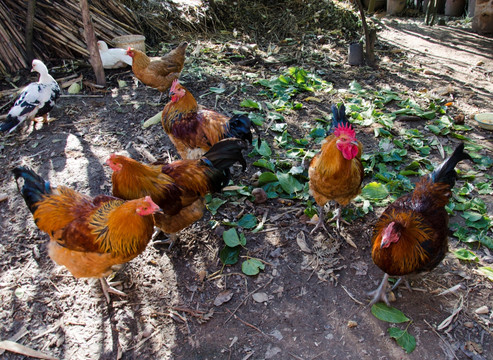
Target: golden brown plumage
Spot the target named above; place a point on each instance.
(193, 129)
(178, 188)
(411, 234)
(158, 73)
(87, 235)
(336, 172)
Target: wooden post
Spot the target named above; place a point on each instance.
(94, 57)
(31, 7)
(369, 38)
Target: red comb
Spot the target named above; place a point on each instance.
(345, 129)
(174, 85)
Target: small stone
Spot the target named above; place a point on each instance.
(352, 324)
(260, 297)
(482, 310)
(469, 325)
(260, 195)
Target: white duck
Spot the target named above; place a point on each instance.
(113, 58)
(36, 99)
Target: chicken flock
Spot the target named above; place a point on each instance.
(90, 236)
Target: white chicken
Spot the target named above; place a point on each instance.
(36, 99)
(113, 58)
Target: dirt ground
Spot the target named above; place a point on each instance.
(169, 312)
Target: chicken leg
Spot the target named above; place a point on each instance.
(321, 220)
(380, 293)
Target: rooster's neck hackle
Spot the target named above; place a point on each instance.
(331, 160)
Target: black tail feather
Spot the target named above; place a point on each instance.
(221, 157)
(239, 127)
(338, 117)
(34, 186)
(10, 124)
(445, 172)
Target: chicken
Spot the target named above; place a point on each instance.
(113, 58)
(88, 235)
(194, 129)
(158, 73)
(336, 172)
(177, 187)
(411, 234)
(36, 99)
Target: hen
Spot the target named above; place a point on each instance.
(193, 129)
(88, 235)
(411, 234)
(336, 172)
(161, 72)
(37, 99)
(113, 58)
(177, 187)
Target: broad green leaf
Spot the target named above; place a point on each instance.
(375, 190)
(487, 271)
(264, 149)
(252, 266)
(266, 178)
(229, 255)
(289, 183)
(317, 133)
(465, 254)
(388, 314)
(250, 104)
(471, 216)
(215, 204)
(403, 338)
(231, 238)
(265, 164)
(248, 221)
(75, 88)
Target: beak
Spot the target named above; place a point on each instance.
(354, 142)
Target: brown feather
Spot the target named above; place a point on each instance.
(332, 177)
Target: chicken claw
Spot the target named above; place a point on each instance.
(380, 293)
(172, 238)
(321, 222)
(109, 289)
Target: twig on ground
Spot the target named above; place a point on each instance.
(246, 297)
(351, 296)
(441, 338)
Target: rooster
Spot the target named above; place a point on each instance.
(336, 172)
(194, 129)
(161, 72)
(113, 58)
(411, 234)
(88, 235)
(37, 99)
(177, 187)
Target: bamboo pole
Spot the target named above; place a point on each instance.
(94, 57)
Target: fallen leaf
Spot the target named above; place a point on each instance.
(300, 240)
(223, 297)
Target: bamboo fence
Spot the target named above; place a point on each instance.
(58, 29)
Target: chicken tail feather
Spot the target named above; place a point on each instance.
(10, 124)
(338, 117)
(34, 188)
(239, 127)
(445, 172)
(221, 157)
